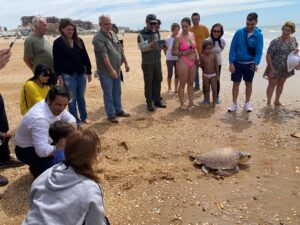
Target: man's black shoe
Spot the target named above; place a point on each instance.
(3, 181)
(160, 104)
(150, 107)
(12, 162)
(113, 119)
(122, 114)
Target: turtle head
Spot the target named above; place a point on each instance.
(243, 156)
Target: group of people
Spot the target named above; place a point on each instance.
(50, 140)
(195, 47)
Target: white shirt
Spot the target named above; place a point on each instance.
(34, 128)
(217, 49)
(169, 45)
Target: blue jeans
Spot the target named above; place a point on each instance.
(76, 84)
(197, 80)
(111, 94)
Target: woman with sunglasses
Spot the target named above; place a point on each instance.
(35, 89)
(219, 43)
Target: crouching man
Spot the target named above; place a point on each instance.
(33, 144)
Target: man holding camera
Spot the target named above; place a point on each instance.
(151, 46)
(244, 56)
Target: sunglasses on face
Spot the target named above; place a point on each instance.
(216, 31)
(250, 24)
(152, 24)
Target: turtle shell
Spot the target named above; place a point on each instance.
(222, 158)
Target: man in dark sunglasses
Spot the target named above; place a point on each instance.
(244, 57)
(149, 44)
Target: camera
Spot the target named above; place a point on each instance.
(161, 42)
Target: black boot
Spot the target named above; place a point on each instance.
(150, 106)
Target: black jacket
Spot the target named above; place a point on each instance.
(70, 60)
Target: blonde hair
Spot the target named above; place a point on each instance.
(81, 152)
(291, 25)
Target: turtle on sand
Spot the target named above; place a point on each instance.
(222, 161)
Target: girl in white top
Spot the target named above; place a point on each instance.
(219, 43)
(170, 59)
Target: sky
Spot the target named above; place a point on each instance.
(132, 13)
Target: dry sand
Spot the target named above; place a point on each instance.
(153, 181)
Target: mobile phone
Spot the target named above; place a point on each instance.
(161, 42)
(12, 43)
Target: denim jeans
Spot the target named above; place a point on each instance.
(197, 80)
(111, 94)
(76, 85)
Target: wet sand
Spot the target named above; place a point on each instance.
(152, 181)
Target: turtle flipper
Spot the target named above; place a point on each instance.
(227, 173)
(205, 170)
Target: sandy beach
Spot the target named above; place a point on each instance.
(147, 176)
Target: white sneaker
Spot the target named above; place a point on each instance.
(248, 107)
(233, 107)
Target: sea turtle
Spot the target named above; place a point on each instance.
(222, 161)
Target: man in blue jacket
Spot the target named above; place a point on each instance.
(244, 56)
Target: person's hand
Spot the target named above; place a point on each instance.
(271, 73)
(231, 68)
(4, 57)
(127, 68)
(197, 61)
(60, 80)
(153, 44)
(89, 77)
(114, 74)
(218, 77)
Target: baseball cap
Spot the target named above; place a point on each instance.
(293, 60)
(151, 18)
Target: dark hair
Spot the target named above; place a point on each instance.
(64, 23)
(39, 70)
(81, 151)
(207, 43)
(57, 90)
(221, 34)
(187, 20)
(60, 129)
(252, 16)
(175, 25)
(115, 28)
(195, 14)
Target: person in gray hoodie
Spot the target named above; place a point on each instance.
(69, 193)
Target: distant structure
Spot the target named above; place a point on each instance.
(86, 25)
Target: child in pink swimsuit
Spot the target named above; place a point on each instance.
(210, 68)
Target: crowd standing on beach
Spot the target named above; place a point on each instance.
(50, 139)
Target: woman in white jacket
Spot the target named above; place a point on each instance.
(69, 193)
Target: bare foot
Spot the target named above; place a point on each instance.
(184, 107)
(192, 105)
(278, 104)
